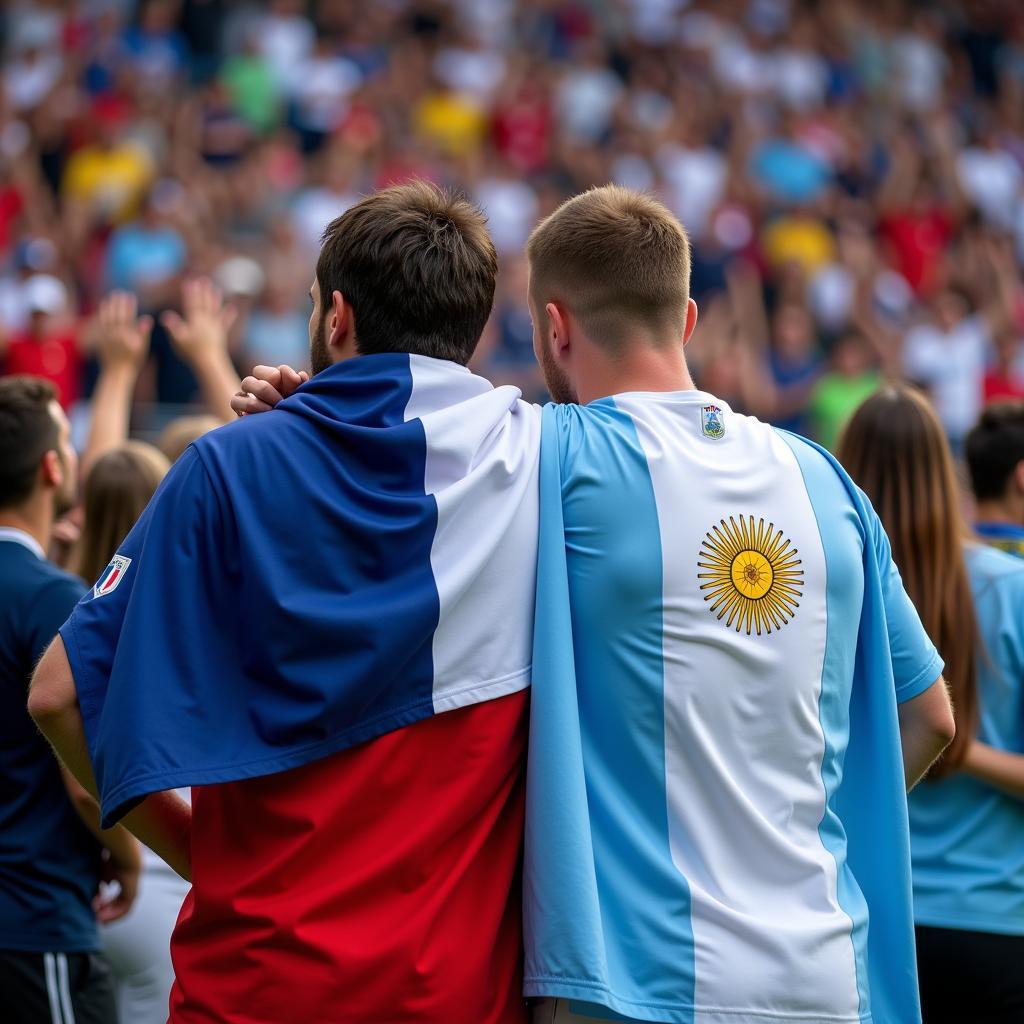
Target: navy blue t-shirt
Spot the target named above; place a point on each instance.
(49, 860)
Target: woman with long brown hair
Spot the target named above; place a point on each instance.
(117, 489)
(967, 817)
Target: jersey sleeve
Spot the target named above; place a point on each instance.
(151, 619)
(916, 663)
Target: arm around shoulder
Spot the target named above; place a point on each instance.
(163, 820)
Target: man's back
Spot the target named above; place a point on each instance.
(49, 861)
(331, 607)
(716, 582)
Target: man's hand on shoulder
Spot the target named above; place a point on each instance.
(265, 387)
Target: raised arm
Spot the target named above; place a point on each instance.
(122, 344)
(200, 337)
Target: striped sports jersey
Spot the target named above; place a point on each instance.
(716, 819)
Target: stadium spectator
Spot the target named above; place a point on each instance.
(949, 351)
(296, 735)
(966, 817)
(722, 640)
(117, 489)
(769, 129)
(995, 459)
(50, 347)
(52, 854)
(181, 432)
(851, 377)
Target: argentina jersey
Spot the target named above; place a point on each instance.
(709, 840)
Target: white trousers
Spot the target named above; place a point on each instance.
(138, 947)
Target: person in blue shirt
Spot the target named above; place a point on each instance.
(967, 817)
(995, 458)
(50, 846)
(726, 672)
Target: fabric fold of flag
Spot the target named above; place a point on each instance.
(353, 562)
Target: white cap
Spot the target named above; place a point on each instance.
(44, 293)
(240, 275)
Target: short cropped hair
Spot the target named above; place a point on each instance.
(418, 267)
(994, 447)
(617, 259)
(27, 432)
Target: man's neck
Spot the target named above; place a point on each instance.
(35, 518)
(651, 370)
(996, 512)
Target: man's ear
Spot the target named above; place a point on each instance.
(340, 324)
(52, 469)
(691, 320)
(558, 338)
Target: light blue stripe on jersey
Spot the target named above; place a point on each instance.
(871, 799)
(839, 533)
(641, 924)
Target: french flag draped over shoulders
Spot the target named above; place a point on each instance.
(358, 560)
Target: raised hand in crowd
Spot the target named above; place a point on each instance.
(121, 339)
(200, 336)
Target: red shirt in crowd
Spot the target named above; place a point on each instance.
(54, 356)
(918, 242)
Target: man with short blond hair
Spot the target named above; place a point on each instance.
(625, 265)
(716, 827)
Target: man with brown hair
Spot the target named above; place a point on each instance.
(322, 623)
(51, 856)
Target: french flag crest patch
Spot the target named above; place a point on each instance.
(112, 576)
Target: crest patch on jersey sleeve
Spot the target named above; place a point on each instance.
(112, 576)
(753, 576)
(712, 423)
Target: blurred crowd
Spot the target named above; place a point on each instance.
(851, 174)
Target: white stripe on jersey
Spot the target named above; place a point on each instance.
(743, 750)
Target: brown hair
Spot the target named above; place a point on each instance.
(117, 489)
(27, 432)
(618, 259)
(895, 449)
(417, 266)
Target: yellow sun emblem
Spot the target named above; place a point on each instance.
(753, 575)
